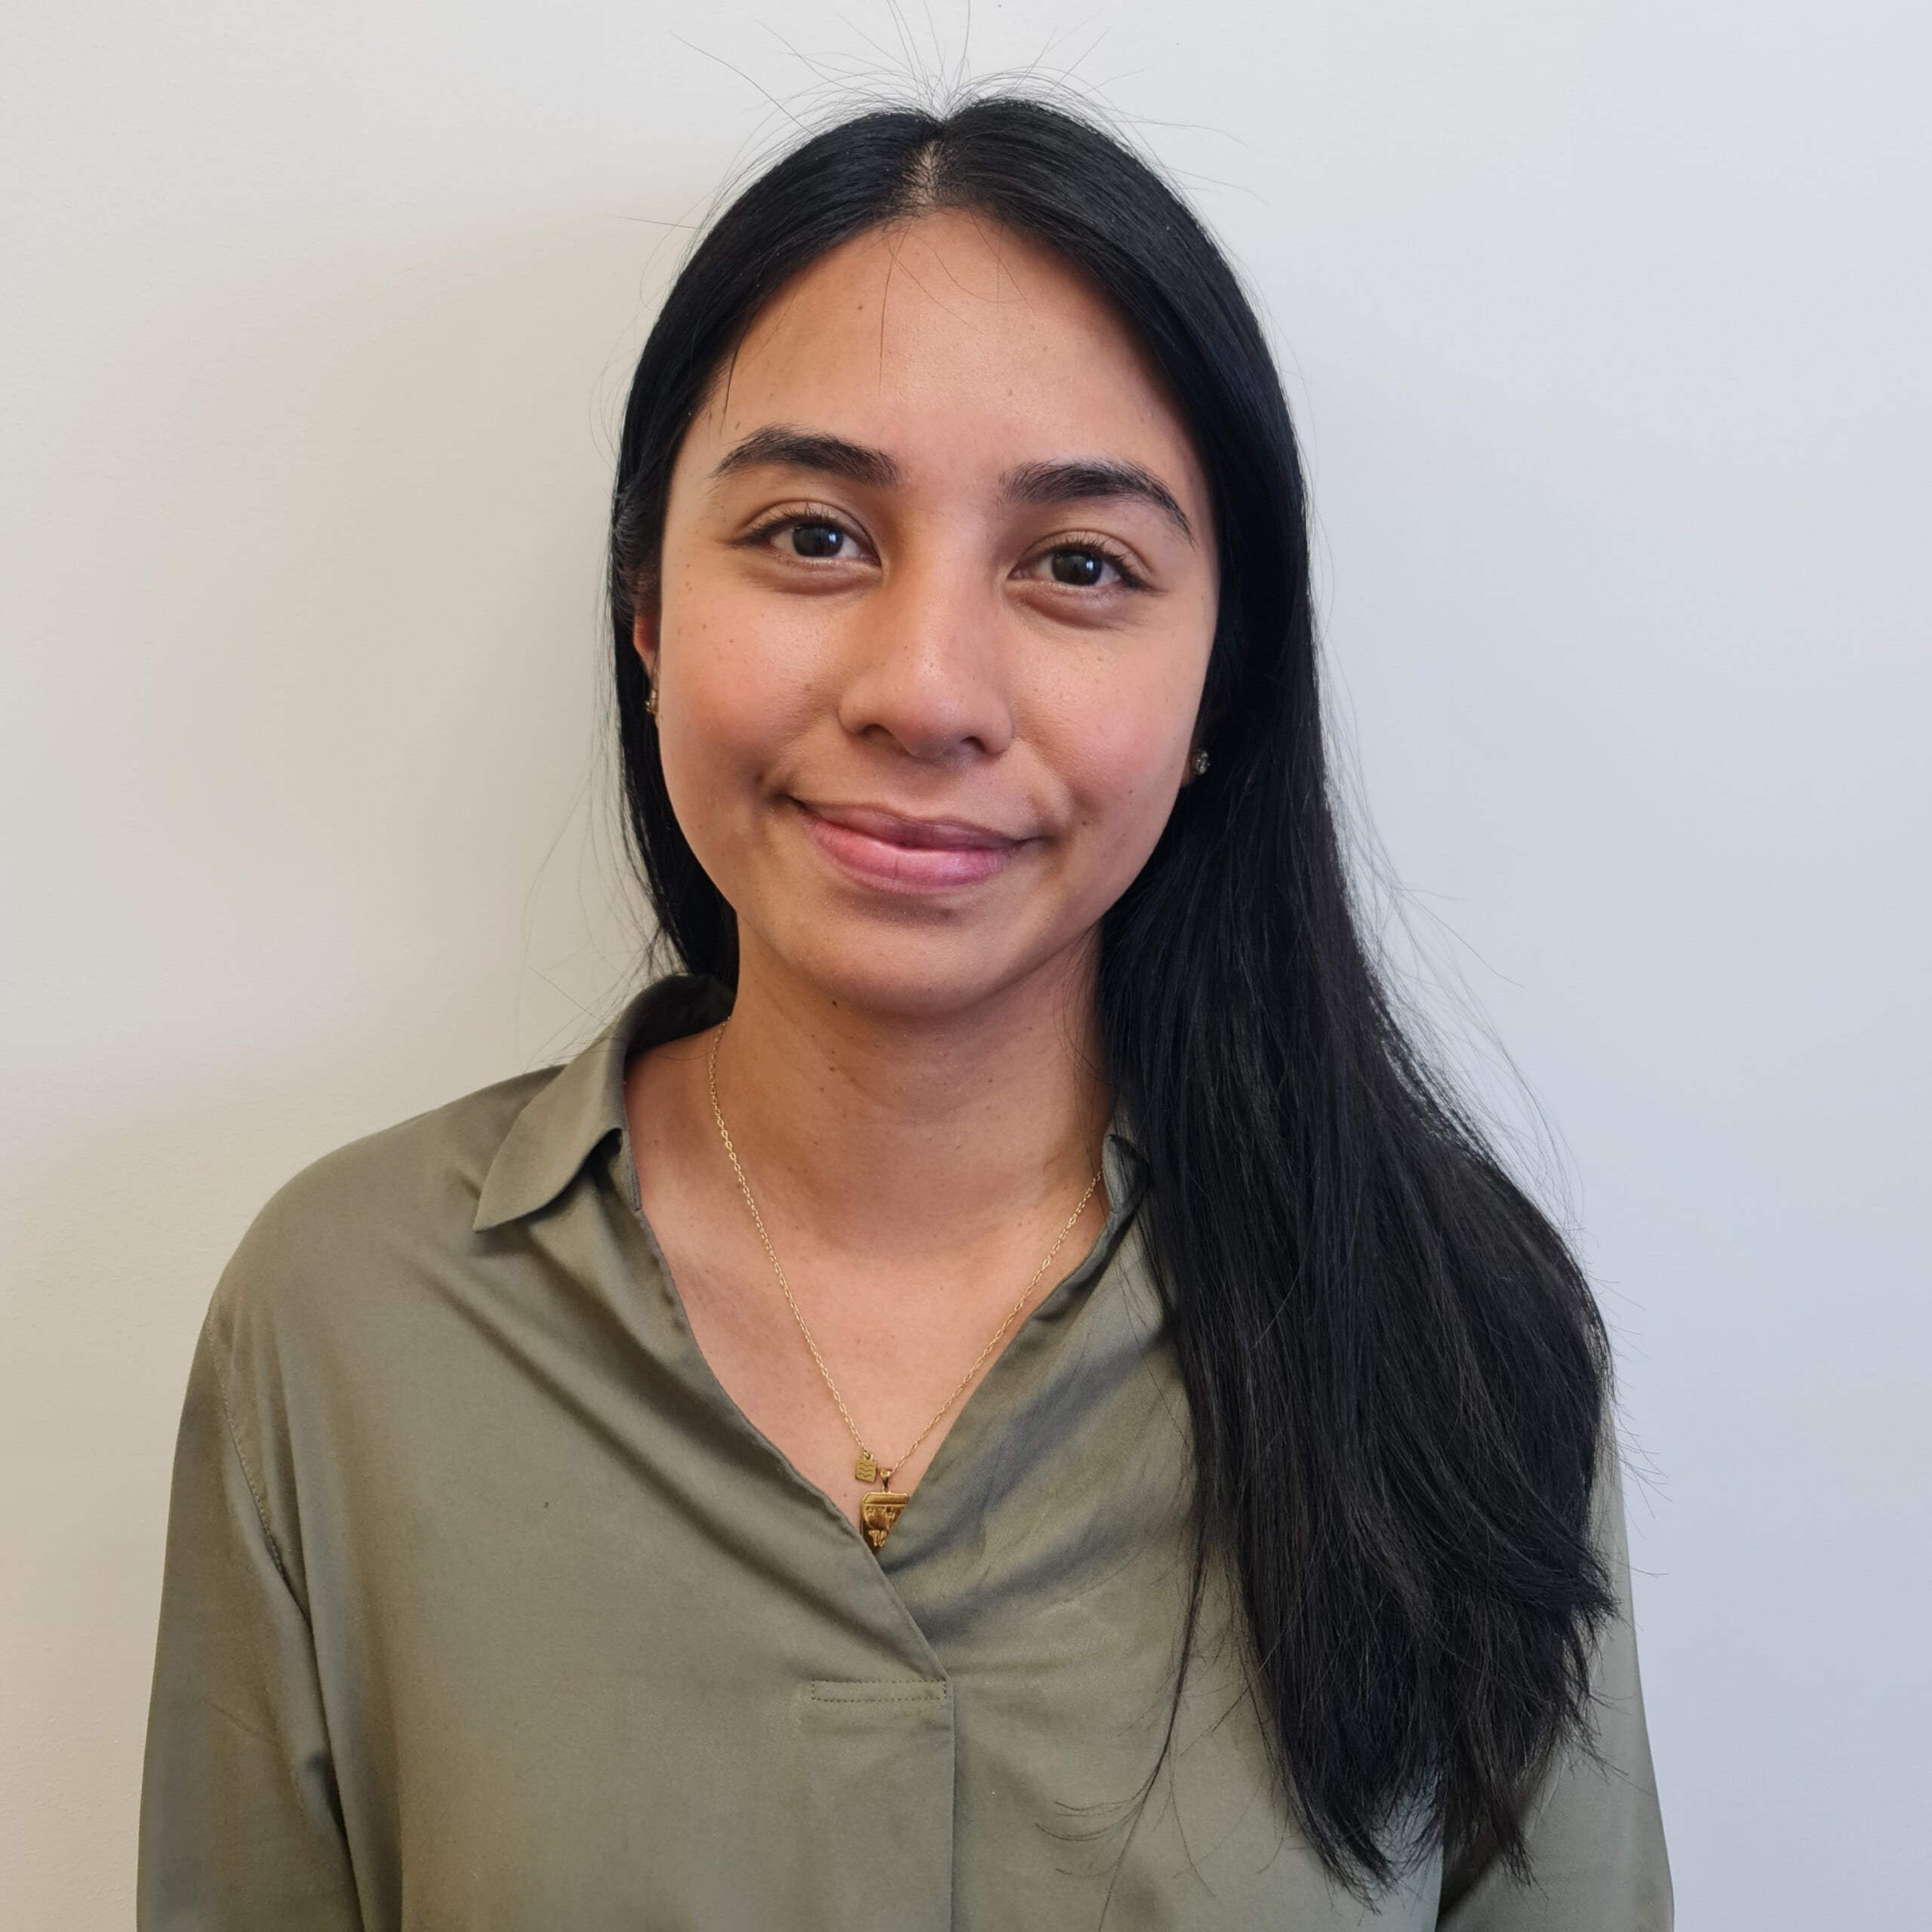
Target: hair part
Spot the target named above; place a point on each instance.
(1397, 1378)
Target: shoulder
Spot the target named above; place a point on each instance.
(375, 1269)
(395, 1203)
(340, 1323)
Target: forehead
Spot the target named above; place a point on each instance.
(951, 340)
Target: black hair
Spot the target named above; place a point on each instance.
(1396, 1375)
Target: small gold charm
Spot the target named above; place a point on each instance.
(866, 1470)
(878, 1513)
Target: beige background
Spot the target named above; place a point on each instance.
(1606, 326)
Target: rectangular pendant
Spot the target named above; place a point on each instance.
(865, 1469)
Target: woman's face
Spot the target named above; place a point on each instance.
(937, 593)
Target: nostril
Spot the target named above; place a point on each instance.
(927, 714)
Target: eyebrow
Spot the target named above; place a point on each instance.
(781, 445)
(1095, 479)
(1091, 479)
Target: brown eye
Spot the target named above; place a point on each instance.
(816, 539)
(1084, 569)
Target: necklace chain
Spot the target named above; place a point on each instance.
(884, 1470)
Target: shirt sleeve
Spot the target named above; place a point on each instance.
(241, 1826)
(1594, 1830)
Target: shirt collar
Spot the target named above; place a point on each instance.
(571, 1114)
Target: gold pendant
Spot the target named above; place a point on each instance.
(878, 1513)
(865, 1469)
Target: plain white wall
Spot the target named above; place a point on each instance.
(1607, 325)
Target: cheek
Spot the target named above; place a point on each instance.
(1121, 756)
(1124, 728)
(738, 687)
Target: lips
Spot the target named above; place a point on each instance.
(886, 849)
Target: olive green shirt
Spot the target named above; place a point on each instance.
(486, 1608)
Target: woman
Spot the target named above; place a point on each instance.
(691, 1487)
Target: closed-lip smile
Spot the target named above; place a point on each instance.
(898, 853)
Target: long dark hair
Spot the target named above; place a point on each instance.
(1397, 1377)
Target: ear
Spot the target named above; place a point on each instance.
(1206, 717)
(644, 639)
(1196, 739)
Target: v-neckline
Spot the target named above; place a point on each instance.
(1123, 1183)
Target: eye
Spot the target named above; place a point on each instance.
(818, 541)
(813, 536)
(1087, 566)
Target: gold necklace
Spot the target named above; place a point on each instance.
(879, 1510)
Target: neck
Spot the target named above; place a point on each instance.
(891, 1132)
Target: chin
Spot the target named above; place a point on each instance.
(930, 976)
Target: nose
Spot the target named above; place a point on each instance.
(924, 670)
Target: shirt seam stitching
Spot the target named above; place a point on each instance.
(248, 1477)
(923, 1693)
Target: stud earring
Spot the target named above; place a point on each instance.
(651, 698)
(1200, 764)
